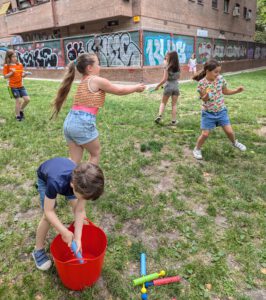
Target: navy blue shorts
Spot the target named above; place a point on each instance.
(41, 186)
(19, 92)
(210, 120)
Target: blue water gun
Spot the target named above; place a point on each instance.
(74, 249)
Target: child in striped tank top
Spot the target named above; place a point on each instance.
(80, 124)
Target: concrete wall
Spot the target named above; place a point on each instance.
(148, 74)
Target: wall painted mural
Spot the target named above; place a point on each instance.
(123, 49)
(44, 55)
(113, 50)
(156, 45)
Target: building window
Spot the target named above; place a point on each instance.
(226, 6)
(245, 12)
(249, 14)
(214, 3)
(200, 2)
(236, 10)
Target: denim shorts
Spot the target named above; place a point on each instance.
(19, 92)
(80, 127)
(209, 120)
(41, 186)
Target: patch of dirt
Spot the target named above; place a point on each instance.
(163, 176)
(5, 146)
(221, 221)
(257, 294)
(261, 131)
(188, 157)
(262, 121)
(232, 264)
(12, 171)
(104, 293)
(199, 209)
(107, 222)
(28, 215)
(3, 218)
(166, 184)
(2, 121)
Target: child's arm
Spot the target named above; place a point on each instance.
(204, 96)
(165, 77)
(8, 75)
(226, 91)
(99, 83)
(80, 215)
(51, 216)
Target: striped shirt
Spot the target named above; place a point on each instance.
(85, 97)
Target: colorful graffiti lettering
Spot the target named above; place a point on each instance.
(43, 57)
(74, 49)
(204, 51)
(115, 50)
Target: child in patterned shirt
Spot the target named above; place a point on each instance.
(212, 87)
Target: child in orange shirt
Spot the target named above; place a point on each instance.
(14, 72)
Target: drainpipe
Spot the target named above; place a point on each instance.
(55, 19)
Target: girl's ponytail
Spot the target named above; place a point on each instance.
(208, 66)
(200, 75)
(63, 90)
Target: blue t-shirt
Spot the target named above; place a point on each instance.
(57, 174)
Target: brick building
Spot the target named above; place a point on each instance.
(129, 33)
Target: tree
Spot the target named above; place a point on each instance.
(260, 35)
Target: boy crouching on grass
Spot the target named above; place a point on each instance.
(78, 183)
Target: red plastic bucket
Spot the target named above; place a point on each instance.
(74, 275)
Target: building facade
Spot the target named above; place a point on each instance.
(47, 19)
(134, 34)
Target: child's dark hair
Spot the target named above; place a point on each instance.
(208, 66)
(81, 64)
(88, 180)
(9, 54)
(173, 62)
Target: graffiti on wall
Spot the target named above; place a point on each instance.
(204, 50)
(260, 52)
(113, 50)
(157, 45)
(74, 49)
(2, 55)
(40, 55)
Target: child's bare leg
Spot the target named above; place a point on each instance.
(17, 107)
(163, 104)
(202, 138)
(75, 152)
(229, 132)
(174, 101)
(26, 100)
(94, 149)
(41, 233)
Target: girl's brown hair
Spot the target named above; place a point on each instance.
(173, 62)
(9, 54)
(81, 64)
(88, 180)
(208, 66)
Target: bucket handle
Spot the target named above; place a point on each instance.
(76, 260)
(90, 222)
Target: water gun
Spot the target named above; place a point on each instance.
(144, 295)
(146, 278)
(163, 281)
(210, 94)
(74, 249)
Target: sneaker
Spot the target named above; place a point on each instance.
(239, 146)
(41, 259)
(158, 119)
(173, 123)
(18, 118)
(197, 153)
(22, 115)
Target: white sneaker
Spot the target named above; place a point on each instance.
(239, 146)
(197, 153)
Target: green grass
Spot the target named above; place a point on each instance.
(204, 221)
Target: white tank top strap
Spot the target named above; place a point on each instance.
(89, 87)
